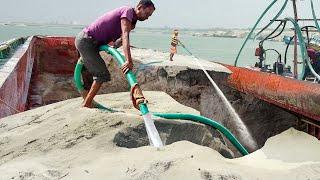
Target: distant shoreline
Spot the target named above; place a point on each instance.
(211, 32)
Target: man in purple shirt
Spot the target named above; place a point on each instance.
(108, 29)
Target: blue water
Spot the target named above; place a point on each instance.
(223, 50)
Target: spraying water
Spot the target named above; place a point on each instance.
(152, 132)
(244, 133)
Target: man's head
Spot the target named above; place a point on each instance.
(144, 9)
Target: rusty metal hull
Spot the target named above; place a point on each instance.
(56, 55)
(15, 77)
(301, 97)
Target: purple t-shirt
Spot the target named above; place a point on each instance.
(107, 28)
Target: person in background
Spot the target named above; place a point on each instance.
(174, 44)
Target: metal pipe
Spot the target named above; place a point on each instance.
(295, 40)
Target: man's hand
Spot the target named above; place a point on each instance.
(128, 65)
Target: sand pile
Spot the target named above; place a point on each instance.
(157, 58)
(64, 141)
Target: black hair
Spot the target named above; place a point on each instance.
(147, 3)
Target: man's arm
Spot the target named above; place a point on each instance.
(126, 28)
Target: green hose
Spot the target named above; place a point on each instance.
(254, 27)
(302, 45)
(314, 16)
(144, 109)
(77, 75)
(303, 50)
(208, 122)
(318, 27)
(129, 75)
(79, 84)
(273, 19)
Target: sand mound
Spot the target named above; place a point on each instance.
(63, 141)
(157, 58)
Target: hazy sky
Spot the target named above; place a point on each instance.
(172, 13)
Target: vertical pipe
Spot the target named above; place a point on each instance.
(307, 31)
(295, 50)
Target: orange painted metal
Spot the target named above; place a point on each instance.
(14, 87)
(300, 97)
(56, 55)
